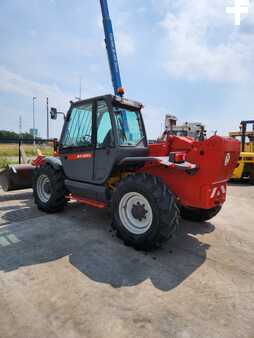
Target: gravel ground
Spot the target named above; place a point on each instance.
(67, 275)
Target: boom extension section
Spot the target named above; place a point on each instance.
(111, 49)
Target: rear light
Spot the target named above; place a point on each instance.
(178, 157)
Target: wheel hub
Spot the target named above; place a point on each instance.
(47, 188)
(135, 213)
(139, 212)
(44, 188)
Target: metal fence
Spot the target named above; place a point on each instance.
(24, 140)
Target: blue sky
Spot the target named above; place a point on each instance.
(181, 57)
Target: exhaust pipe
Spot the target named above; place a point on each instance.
(17, 177)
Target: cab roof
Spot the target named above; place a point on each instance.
(112, 98)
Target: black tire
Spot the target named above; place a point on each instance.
(251, 180)
(199, 215)
(165, 213)
(57, 200)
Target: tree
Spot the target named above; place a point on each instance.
(10, 136)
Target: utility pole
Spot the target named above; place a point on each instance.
(34, 98)
(80, 87)
(47, 102)
(20, 125)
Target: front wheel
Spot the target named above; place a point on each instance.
(199, 215)
(49, 189)
(144, 211)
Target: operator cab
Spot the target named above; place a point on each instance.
(98, 133)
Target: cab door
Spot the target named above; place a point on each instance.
(77, 144)
(105, 149)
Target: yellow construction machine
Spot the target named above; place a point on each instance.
(245, 165)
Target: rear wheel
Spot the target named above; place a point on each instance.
(199, 215)
(144, 211)
(252, 177)
(49, 189)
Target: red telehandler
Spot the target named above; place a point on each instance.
(103, 159)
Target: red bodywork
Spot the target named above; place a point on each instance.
(215, 158)
(87, 201)
(205, 187)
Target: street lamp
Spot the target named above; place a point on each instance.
(80, 89)
(47, 104)
(34, 98)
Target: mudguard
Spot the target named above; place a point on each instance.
(163, 160)
(55, 162)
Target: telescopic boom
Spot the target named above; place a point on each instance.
(111, 49)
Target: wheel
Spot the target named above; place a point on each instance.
(49, 189)
(199, 215)
(145, 213)
(251, 180)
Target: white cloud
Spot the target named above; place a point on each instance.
(125, 43)
(11, 82)
(202, 42)
(124, 40)
(154, 118)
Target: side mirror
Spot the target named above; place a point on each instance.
(53, 113)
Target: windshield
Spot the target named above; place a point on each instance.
(129, 127)
(78, 131)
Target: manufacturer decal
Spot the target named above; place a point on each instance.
(84, 156)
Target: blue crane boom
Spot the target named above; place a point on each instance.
(111, 49)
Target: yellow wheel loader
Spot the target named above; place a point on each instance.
(245, 165)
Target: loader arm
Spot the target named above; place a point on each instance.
(111, 49)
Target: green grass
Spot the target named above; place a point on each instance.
(4, 162)
(11, 150)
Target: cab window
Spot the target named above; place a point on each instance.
(104, 126)
(78, 132)
(129, 127)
